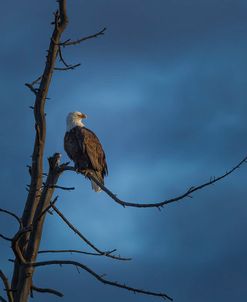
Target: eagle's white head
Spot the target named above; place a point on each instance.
(74, 119)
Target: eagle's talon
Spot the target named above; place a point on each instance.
(77, 170)
(86, 172)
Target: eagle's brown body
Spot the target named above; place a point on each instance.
(84, 148)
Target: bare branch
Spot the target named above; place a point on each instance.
(36, 81)
(70, 67)
(68, 42)
(62, 188)
(30, 86)
(47, 290)
(13, 215)
(61, 57)
(5, 237)
(67, 66)
(74, 251)
(100, 278)
(46, 210)
(7, 286)
(163, 203)
(107, 253)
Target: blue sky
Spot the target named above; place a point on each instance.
(165, 91)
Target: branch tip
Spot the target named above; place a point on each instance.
(98, 277)
(159, 204)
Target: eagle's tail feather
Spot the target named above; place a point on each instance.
(95, 187)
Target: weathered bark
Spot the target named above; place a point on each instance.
(25, 273)
(38, 196)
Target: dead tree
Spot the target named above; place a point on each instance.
(25, 243)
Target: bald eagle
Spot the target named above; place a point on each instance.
(84, 148)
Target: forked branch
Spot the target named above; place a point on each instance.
(69, 42)
(99, 277)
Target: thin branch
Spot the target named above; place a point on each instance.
(163, 203)
(36, 81)
(61, 57)
(13, 215)
(7, 286)
(70, 67)
(46, 210)
(74, 251)
(62, 188)
(30, 86)
(68, 42)
(100, 278)
(107, 254)
(5, 237)
(47, 290)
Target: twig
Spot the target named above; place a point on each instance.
(47, 290)
(159, 204)
(5, 237)
(61, 57)
(46, 210)
(62, 188)
(13, 215)
(74, 251)
(68, 42)
(100, 278)
(7, 286)
(70, 67)
(30, 86)
(107, 254)
(36, 81)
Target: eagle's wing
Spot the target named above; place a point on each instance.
(90, 144)
(69, 145)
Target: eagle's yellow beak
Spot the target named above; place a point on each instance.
(83, 115)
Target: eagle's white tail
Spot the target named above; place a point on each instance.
(95, 187)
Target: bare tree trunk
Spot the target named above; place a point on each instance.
(38, 197)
